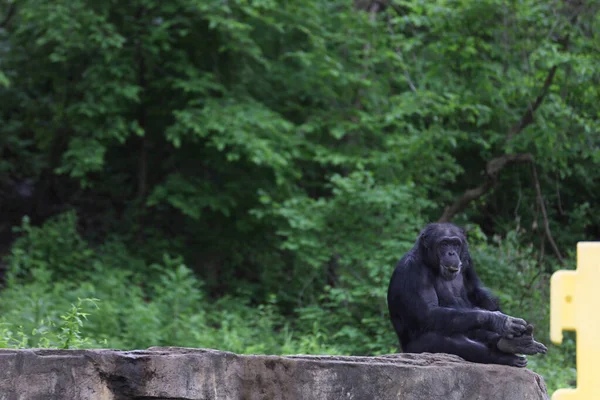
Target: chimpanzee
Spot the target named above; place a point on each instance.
(437, 304)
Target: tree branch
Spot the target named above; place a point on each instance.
(371, 6)
(527, 118)
(523, 122)
(142, 184)
(11, 11)
(493, 168)
(540, 200)
(495, 165)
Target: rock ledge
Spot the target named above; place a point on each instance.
(193, 374)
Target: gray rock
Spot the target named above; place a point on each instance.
(182, 374)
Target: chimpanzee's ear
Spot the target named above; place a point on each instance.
(423, 237)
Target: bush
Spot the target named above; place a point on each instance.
(97, 297)
(106, 297)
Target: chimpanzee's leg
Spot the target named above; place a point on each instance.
(524, 344)
(462, 346)
(484, 336)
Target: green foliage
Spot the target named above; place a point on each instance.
(57, 244)
(357, 261)
(108, 305)
(244, 175)
(166, 304)
(50, 333)
(558, 365)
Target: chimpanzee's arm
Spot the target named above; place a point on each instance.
(413, 297)
(433, 317)
(480, 296)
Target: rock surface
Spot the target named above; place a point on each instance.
(182, 374)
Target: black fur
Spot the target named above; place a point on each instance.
(437, 303)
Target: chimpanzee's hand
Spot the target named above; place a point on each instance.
(510, 327)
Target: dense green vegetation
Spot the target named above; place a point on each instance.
(244, 175)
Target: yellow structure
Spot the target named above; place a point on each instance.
(574, 306)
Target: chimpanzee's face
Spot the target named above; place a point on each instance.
(442, 245)
(448, 249)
